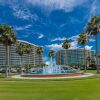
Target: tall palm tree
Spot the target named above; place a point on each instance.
(51, 55)
(28, 52)
(39, 51)
(82, 40)
(93, 28)
(7, 38)
(21, 50)
(66, 45)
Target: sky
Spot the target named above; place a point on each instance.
(49, 22)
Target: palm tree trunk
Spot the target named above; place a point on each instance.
(39, 60)
(21, 65)
(85, 68)
(28, 62)
(96, 38)
(65, 57)
(60, 58)
(34, 60)
(89, 59)
(77, 58)
(51, 61)
(7, 66)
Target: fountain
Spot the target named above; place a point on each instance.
(53, 71)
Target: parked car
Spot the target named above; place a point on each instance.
(2, 70)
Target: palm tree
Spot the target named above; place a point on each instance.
(82, 40)
(66, 45)
(7, 38)
(39, 51)
(21, 50)
(51, 55)
(93, 28)
(28, 52)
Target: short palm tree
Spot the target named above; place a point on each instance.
(39, 51)
(21, 50)
(66, 45)
(93, 28)
(7, 38)
(82, 40)
(51, 55)
(28, 52)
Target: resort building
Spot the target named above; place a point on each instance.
(74, 56)
(15, 59)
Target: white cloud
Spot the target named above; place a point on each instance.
(94, 8)
(23, 13)
(74, 45)
(40, 36)
(74, 38)
(88, 47)
(67, 5)
(47, 62)
(22, 27)
(92, 40)
(20, 9)
(54, 47)
(57, 47)
(59, 39)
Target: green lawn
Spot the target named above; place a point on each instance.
(60, 89)
(90, 71)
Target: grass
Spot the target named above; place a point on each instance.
(58, 89)
(90, 71)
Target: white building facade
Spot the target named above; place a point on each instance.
(15, 59)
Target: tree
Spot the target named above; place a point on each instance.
(66, 45)
(39, 51)
(51, 55)
(93, 28)
(82, 40)
(28, 51)
(21, 50)
(7, 38)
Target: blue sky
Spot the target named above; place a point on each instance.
(48, 22)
